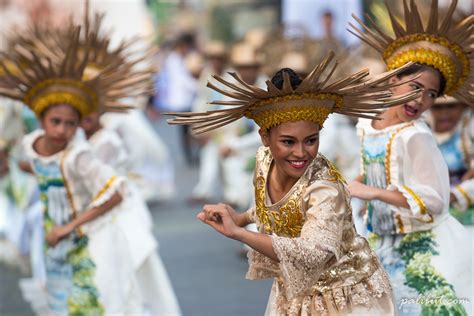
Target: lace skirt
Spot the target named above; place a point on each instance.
(369, 297)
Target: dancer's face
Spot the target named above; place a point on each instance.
(428, 83)
(293, 145)
(91, 123)
(446, 116)
(60, 123)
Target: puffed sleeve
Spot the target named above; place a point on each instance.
(304, 258)
(464, 194)
(112, 152)
(425, 182)
(100, 180)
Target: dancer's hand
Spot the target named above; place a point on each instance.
(361, 191)
(226, 151)
(240, 219)
(218, 217)
(452, 198)
(468, 175)
(58, 233)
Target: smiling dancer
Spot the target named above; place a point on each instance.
(425, 251)
(306, 240)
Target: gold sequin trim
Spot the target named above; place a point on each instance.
(334, 174)
(54, 98)
(56, 91)
(69, 195)
(104, 189)
(291, 109)
(274, 117)
(420, 202)
(287, 221)
(464, 193)
(353, 269)
(389, 152)
(428, 57)
(401, 227)
(453, 82)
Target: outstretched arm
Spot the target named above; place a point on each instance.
(359, 178)
(366, 192)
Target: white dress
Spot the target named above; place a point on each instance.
(90, 271)
(425, 251)
(457, 149)
(18, 190)
(150, 161)
(135, 220)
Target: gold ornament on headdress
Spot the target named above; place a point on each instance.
(313, 100)
(447, 47)
(41, 82)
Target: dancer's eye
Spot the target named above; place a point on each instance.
(288, 141)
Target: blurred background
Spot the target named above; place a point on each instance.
(181, 171)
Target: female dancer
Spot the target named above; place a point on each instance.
(452, 123)
(88, 264)
(405, 178)
(135, 218)
(306, 238)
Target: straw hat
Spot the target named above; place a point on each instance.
(243, 54)
(255, 38)
(313, 100)
(194, 62)
(445, 100)
(296, 61)
(215, 49)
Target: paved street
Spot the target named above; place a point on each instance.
(207, 271)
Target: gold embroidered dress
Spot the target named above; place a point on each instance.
(325, 268)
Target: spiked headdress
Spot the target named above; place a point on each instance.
(75, 65)
(122, 73)
(45, 81)
(313, 100)
(447, 46)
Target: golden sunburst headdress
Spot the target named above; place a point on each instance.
(75, 65)
(313, 100)
(123, 69)
(40, 81)
(447, 46)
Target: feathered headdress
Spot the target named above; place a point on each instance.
(313, 100)
(40, 81)
(58, 62)
(123, 73)
(447, 46)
